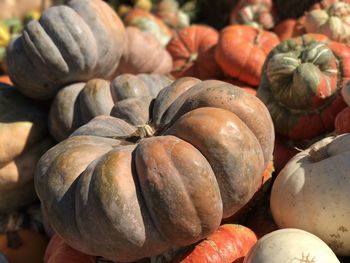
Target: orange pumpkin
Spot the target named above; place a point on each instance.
(229, 243)
(193, 52)
(241, 52)
(58, 251)
(289, 28)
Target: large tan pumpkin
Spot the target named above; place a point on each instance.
(23, 139)
(290, 245)
(114, 190)
(312, 192)
(70, 43)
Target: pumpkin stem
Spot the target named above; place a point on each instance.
(318, 154)
(13, 224)
(145, 131)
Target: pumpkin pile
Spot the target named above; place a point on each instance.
(145, 131)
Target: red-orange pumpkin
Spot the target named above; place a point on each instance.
(193, 50)
(230, 243)
(241, 52)
(342, 121)
(289, 28)
(58, 252)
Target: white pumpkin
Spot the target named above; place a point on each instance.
(312, 192)
(290, 245)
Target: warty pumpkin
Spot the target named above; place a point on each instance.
(290, 245)
(74, 42)
(315, 184)
(144, 54)
(241, 52)
(193, 52)
(301, 83)
(106, 195)
(127, 97)
(23, 139)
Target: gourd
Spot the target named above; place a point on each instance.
(315, 184)
(125, 192)
(70, 43)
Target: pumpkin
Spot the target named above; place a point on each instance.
(170, 12)
(301, 83)
(144, 54)
(193, 51)
(241, 52)
(229, 243)
(211, 141)
(315, 183)
(290, 28)
(77, 104)
(58, 251)
(5, 79)
(342, 121)
(146, 21)
(71, 43)
(18, 244)
(283, 151)
(333, 21)
(23, 139)
(290, 245)
(256, 13)
(18, 9)
(345, 92)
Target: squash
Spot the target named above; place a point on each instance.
(229, 243)
(58, 251)
(71, 43)
(342, 121)
(301, 83)
(241, 52)
(256, 13)
(170, 12)
(290, 28)
(290, 245)
(333, 21)
(345, 92)
(19, 8)
(315, 183)
(124, 97)
(148, 22)
(144, 54)
(23, 139)
(193, 50)
(20, 244)
(103, 189)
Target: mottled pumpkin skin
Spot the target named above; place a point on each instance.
(125, 196)
(23, 139)
(301, 84)
(70, 43)
(128, 97)
(144, 54)
(242, 50)
(193, 52)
